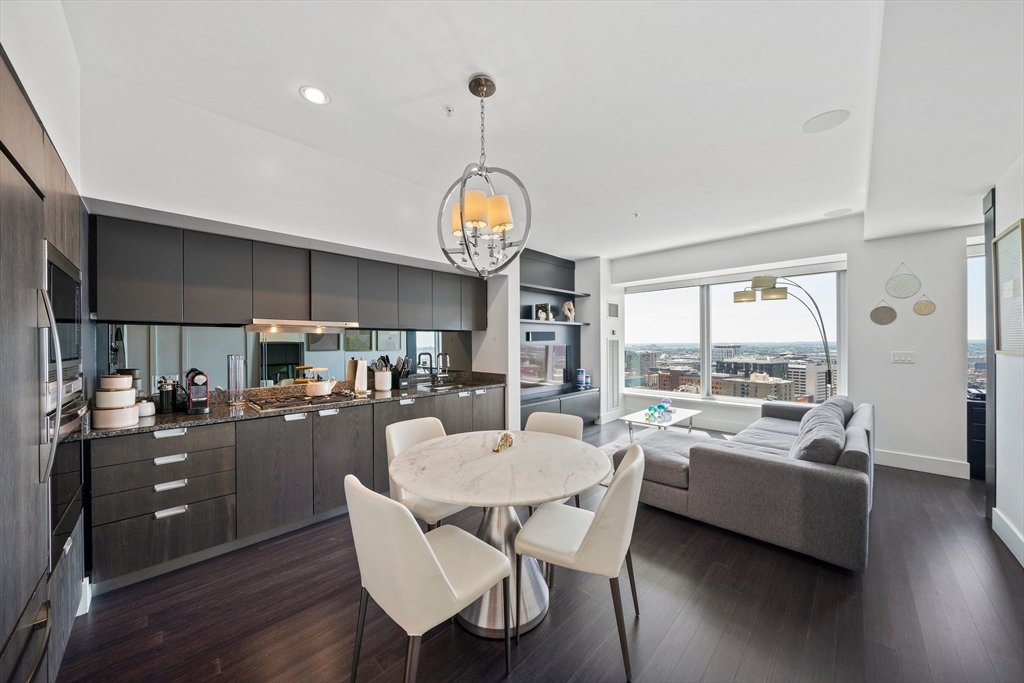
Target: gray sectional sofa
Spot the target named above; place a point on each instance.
(800, 477)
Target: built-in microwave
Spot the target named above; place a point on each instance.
(64, 291)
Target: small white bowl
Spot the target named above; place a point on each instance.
(115, 398)
(115, 418)
(116, 381)
(146, 408)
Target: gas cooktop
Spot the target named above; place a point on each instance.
(285, 402)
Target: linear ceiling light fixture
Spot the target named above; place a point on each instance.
(481, 227)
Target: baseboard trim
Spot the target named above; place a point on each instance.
(1008, 534)
(923, 463)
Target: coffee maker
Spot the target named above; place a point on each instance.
(197, 392)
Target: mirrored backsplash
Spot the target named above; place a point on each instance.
(172, 350)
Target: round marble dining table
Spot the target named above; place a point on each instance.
(538, 468)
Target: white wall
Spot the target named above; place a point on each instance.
(594, 277)
(920, 419)
(497, 349)
(36, 38)
(1008, 515)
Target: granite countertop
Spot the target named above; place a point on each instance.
(222, 412)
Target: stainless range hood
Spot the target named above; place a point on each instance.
(305, 326)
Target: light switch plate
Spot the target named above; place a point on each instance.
(902, 356)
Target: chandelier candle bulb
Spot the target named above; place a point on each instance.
(499, 213)
(475, 215)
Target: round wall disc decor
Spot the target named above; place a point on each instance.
(883, 314)
(902, 283)
(924, 306)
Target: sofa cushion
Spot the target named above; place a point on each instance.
(822, 435)
(779, 425)
(755, 436)
(840, 402)
(666, 456)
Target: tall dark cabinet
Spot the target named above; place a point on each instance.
(217, 273)
(333, 287)
(280, 282)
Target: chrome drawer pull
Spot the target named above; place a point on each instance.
(481, 391)
(294, 416)
(463, 394)
(67, 545)
(168, 433)
(325, 413)
(406, 401)
(168, 485)
(170, 512)
(168, 459)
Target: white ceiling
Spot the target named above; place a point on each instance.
(688, 113)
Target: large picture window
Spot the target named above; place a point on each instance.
(769, 349)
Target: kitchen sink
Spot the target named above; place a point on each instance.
(439, 387)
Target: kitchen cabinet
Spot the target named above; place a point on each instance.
(389, 413)
(72, 223)
(550, 405)
(455, 411)
(136, 271)
(217, 279)
(342, 445)
(333, 287)
(65, 593)
(488, 409)
(474, 303)
(280, 282)
(415, 298)
(274, 468)
(20, 130)
(586, 404)
(447, 305)
(24, 534)
(26, 644)
(55, 203)
(378, 295)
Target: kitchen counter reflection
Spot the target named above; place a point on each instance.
(227, 413)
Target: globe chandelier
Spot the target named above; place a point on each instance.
(484, 219)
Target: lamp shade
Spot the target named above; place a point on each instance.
(499, 213)
(456, 220)
(760, 282)
(745, 296)
(774, 294)
(475, 213)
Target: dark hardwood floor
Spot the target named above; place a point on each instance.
(941, 599)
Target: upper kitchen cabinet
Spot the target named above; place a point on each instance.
(20, 131)
(280, 282)
(72, 221)
(474, 303)
(333, 287)
(415, 301)
(378, 295)
(62, 222)
(136, 273)
(218, 279)
(447, 309)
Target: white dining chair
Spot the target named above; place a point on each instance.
(570, 426)
(402, 435)
(420, 580)
(592, 542)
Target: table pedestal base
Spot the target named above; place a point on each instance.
(499, 528)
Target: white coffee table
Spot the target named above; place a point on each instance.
(673, 419)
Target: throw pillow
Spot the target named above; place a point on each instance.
(822, 435)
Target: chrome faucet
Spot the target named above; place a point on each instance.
(442, 366)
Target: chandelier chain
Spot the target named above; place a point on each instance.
(483, 153)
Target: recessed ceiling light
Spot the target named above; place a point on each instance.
(826, 121)
(313, 94)
(636, 215)
(837, 212)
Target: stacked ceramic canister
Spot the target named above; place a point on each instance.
(115, 405)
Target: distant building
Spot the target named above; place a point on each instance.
(808, 379)
(760, 386)
(723, 351)
(744, 366)
(641, 362)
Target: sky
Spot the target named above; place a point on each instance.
(673, 315)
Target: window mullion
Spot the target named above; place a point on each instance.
(705, 340)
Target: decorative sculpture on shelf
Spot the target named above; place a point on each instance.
(569, 311)
(542, 312)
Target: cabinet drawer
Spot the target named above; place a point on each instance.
(133, 544)
(65, 592)
(135, 447)
(135, 475)
(165, 494)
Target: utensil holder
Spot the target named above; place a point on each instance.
(400, 382)
(382, 381)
